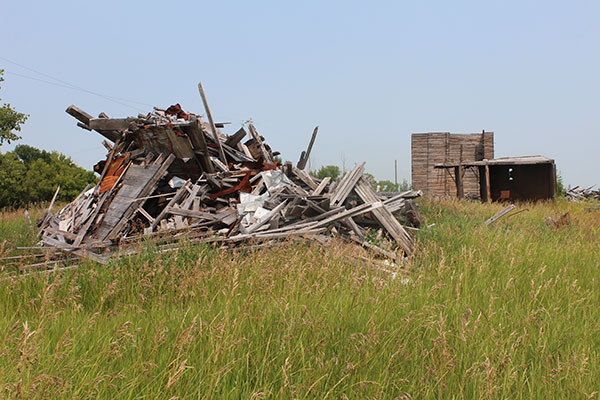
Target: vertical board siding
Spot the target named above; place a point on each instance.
(433, 148)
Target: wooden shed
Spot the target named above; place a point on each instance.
(528, 178)
(429, 149)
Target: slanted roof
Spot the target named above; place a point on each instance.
(517, 160)
(523, 160)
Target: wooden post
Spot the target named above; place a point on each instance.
(396, 174)
(212, 124)
(459, 182)
(553, 183)
(487, 183)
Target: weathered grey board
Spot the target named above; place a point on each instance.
(134, 181)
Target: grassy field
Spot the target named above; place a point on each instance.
(506, 311)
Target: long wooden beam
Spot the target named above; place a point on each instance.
(212, 124)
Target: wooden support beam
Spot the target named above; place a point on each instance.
(487, 184)
(110, 124)
(460, 193)
(85, 118)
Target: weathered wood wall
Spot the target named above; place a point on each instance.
(429, 149)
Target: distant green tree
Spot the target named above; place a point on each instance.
(12, 180)
(332, 171)
(386, 186)
(561, 191)
(404, 186)
(29, 175)
(10, 120)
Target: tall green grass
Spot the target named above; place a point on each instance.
(506, 311)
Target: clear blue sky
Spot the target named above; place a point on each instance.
(368, 73)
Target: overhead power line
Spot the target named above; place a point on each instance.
(61, 83)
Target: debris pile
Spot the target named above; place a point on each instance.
(170, 174)
(580, 193)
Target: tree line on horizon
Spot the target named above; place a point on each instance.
(334, 172)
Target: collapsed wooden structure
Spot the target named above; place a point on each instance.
(171, 175)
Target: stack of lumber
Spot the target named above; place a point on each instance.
(171, 175)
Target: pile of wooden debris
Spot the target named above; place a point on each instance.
(171, 175)
(581, 193)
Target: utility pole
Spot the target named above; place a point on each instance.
(396, 174)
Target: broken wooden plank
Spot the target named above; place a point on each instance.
(499, 215)
(306, 154)
(305, 177)
(236, 138)
(321, 186)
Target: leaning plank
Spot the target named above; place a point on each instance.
(178, 195)
(385, 217)
(212, 124)
(345, 185)
(266, 218)
(48, 211)
(91, 219)
(321, 186)
(499, 215)
(305, 154)
(305, 177)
